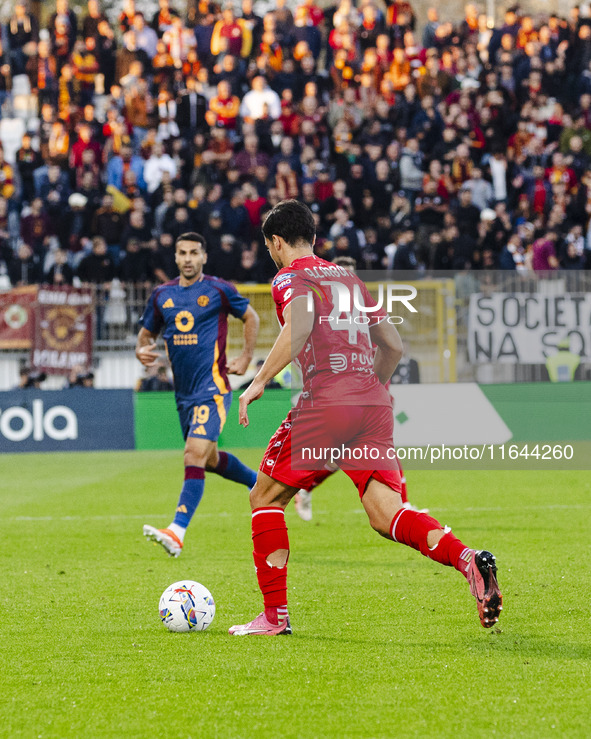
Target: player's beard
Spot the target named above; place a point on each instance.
(278, 263)
(190, 272)
(275, 257)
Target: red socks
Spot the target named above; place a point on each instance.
(412, 528)
(269, 533)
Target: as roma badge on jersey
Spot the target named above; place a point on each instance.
(202, 301)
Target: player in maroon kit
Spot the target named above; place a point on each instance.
(344, 404)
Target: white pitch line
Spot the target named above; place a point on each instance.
(148, 516)
(356, 511)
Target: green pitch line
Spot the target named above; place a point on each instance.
(385, 643)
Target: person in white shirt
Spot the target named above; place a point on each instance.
(259, 101)
(158, 163)
(146, 37)
(482, 191)
(498, 171)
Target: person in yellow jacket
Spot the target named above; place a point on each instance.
(6, 177)
(231, 35)
(563, 365)
(85, 66)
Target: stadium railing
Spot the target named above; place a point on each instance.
(437, 336)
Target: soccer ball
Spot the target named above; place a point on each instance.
(186, 606)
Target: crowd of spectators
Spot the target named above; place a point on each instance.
(459, 147)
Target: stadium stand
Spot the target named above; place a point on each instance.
(420, 145)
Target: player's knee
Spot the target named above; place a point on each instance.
(380, 525)
(380, 520)
(265, 495)
(260, 496)
(192, 458)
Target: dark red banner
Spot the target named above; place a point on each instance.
(16, 317)
(64, 318)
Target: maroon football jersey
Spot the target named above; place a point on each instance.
(337, 359)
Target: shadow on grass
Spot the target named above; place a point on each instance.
(480, 644)
(532, 646)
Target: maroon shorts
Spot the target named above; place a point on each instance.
(361, 437)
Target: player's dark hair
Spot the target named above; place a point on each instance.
(292, 221)
(192, 236)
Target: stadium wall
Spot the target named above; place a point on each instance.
(452, 414)
(463, 413)
(157, 424)
(543, 411)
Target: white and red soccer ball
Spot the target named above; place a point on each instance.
(186, 606)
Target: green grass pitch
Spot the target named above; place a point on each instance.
(385, 643)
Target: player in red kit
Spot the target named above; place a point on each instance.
(344, 405)
(303, 498)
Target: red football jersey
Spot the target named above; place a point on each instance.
(337, 359)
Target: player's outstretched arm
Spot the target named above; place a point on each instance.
(298, 323)
(251, 321)
(145, 349)
(389, 353)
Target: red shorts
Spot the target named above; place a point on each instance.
(295, 452)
